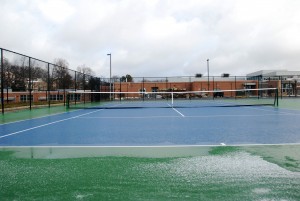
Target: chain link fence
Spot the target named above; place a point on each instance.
(27, 82)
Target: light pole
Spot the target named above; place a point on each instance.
(109, 75)
(208, 73)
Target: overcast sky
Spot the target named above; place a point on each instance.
(156, 37)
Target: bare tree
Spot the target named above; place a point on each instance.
(61, 77)
(8, 75)
(86, 74)
(85, 70)
(61, 62)
(20, 72)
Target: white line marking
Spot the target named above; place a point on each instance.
(127, 117)
(154, 146)
(196, 116)
(240, 115)
(43, 125)
(176, 110)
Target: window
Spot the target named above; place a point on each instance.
(25, 98)
(142, 91)
(74, 97)
(56, 97)
(154, 89)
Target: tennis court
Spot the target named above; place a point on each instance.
(154, 151)
(201, 122)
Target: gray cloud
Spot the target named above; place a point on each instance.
(156, 38)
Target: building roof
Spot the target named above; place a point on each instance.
(199, 79)
(271, 73)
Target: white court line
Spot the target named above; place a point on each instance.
(176, 110)
(43, 125)
(153, 146)
(130, 117)
(241, 115)
(196, 116)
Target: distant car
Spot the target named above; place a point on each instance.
(218, 94)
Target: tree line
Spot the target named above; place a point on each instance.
(20, 76)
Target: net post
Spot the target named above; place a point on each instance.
(120, 98)
(235, 87)
(143, 89)
(276, 98)
(68, 101)
(213, 88)
(172, 98)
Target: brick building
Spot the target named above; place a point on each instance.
(186, 84)
(288, 83)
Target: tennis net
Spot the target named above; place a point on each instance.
(176, 99)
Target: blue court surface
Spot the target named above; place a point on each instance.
(157, 126)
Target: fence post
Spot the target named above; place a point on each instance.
(2, 82)
(48, 85)
(75, 85)
(83, 82)
(29, 85)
